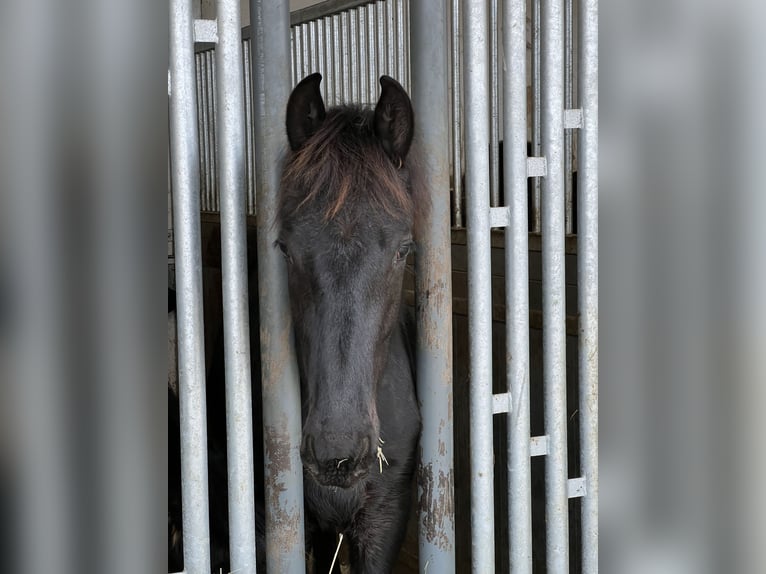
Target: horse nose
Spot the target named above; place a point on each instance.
(336, 461)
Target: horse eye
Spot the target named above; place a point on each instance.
(403, 252)
(283, 249)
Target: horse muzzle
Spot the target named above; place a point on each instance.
(335, 464)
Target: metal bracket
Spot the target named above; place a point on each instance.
(576, 487)
(499, 217)
(537, 167)
(205, 31)
(538, 445)
(501, 402)
(573, 118)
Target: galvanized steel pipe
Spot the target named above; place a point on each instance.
(230, 122)
(537, 149)
(191, 344)
(476, 66)
(517, 285)
(457, 116)
(430, 98)
(554, 295)
(587, 279)
(285, 545)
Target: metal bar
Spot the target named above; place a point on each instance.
(250, 143)
(434, 291)
(568, 104)
(364, 58)
(345, 51)
(279, 372)
(353, 37)
(406, 42)
(337, 60)
(494, 108)
(587, 278)
(215, 204)
(401, 34)
(390, 29)
(328, 85)
(321, 9)
(457, 115)
(536, 112)
(554, 332)
(239, 415)
(475, 40)
(191, 345)
(306, 50)
(517, 285)
(371, 38)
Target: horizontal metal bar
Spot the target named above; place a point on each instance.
(501, 403)
(573, 118)
(576, 487)
(499, 216)
(538, 445)
(322, 9)
(205, 31)
(537, 167)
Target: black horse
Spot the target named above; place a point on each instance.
(348, 205)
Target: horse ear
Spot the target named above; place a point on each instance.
(394, 120)
(305, 111)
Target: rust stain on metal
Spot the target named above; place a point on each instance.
(282, 522)
(436, 504)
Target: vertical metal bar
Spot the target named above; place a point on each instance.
(494, 126)
(568, 104)
(554, 333)
(390, 28)
(306, 59)
(537, 149)
(434, 291)
(381, 38)
(239, 415)
(281, 386)
(293, 59)
(202, 127)
(517, 284)
(345, 51)
(353, 34)
(191, 344)
(457, 114)
(372, 35)
(313, 46)
(587, 279)
(402, 36)
(250, 157)
(215, 204)
(321, 56)
(364, 57)
(337, 59)
(476, 36)
(329, 83)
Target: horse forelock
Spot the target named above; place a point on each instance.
(343, 166)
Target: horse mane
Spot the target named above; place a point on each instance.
(343, 159)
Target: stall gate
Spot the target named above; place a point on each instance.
(471, 67)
